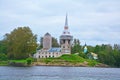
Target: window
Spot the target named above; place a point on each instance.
(68, 41)
(63, 41)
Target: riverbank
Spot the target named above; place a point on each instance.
(65, 60)
(66, 64)
(19, 63)
(68, 60)
(3, 63)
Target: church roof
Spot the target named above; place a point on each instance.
(47, 34)
(55, 49)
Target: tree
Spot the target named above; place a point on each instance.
(3, 46)
(116, 53)
(116, 47)
(3, 57)
(21, 43)
(107, 55)
(76, 48)
(97, 48)
(54, 42)
(40, 46)
(90, 49)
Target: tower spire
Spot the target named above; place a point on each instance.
(66, 30)
(66, 21)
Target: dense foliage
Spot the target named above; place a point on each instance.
(76, 48)
(3, 47)
(20, 43)
(107, 54)
(3, 57)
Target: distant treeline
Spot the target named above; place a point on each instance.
(107, 54)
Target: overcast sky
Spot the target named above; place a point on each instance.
(91, 21)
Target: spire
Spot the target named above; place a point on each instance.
(66, 30)
(66, 21)
(85, 44)
(85, 48)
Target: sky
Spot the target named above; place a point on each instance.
(92, 21)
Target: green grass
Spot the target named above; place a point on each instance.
(66, 58)
(70, 58)
(3, 63)
(18, 61)
(92, 62)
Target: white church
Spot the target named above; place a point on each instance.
(65, 44)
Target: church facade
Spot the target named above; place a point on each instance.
(65, 44)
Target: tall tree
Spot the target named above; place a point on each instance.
(54, 42)
(21, 42)
(76, 46)
(3, 46)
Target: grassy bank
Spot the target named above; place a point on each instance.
(67, 60)
(19, 61)
(8, 62)
(64, 60)
(3, 63)
(23, 62)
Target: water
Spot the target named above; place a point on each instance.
(58, 73)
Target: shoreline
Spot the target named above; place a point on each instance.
(100, 65)
(70, 65)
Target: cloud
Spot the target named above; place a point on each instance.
(92, 21)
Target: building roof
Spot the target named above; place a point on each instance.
(66, 37)
(55, 49)
(47, 34)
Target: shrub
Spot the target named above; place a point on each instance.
(3, 57)
(29, 61)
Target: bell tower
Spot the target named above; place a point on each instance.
(66, 39)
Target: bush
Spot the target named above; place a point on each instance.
(3, 57)
(29, 61)
(83, 55)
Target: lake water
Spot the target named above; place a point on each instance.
(58, 73)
